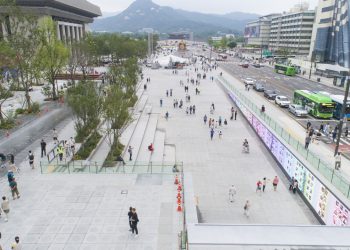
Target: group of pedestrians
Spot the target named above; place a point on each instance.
(16, 245)
(260, 188)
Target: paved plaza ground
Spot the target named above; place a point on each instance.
(58, 211)
(216, 165)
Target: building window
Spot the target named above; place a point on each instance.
(326, 9)
(326, 20)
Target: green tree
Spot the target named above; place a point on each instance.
(232, 44)
(119, 98)
(22, 42)
(52, 55)
(85, 100)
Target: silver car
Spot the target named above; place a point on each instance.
(297, 110)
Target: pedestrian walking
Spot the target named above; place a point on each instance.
(258, 186)
(246, 208)
(55, 135)
(66, 148)
(72, 146)
(190, 110)
(31, 159)
(60, 152)
(232, 193)
(205, 119)
(194, 109)
(14, 189)
(130, 153)
(307, 141)
(295, 186)
(220, 121)
(291, 184)
(161, 102)
(134, 221)
(167, 115)
(16, 245)
(235, 115)
(167, 93)
(211, 134)
(130, 215)
(346, 133)
(264, 184)
(334, 135)
(171, 92)
(225, 122)
(275, 183)
(337, 159)
(43, 148)
(308, 125)
(220, 134)
(5, 207)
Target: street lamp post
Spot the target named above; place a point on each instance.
(340, 127)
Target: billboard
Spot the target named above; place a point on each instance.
(329, 208)
(252, 31)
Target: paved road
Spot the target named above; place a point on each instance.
(285, 85)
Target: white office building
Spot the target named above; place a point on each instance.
(291, 32)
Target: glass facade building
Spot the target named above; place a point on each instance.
(332, 35)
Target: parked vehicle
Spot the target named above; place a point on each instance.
(249, 81)
(245, 65)
(258, 86)
(256, 65)
(270, 94)
(282, 101)
(297, 110)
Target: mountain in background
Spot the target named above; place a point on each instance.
(146, 14)
(109, 14)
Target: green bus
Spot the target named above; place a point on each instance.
(317, 105)
(284, 69)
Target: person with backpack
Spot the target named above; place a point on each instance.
(134, 220)
(31, 159)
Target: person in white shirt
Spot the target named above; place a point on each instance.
(231, 193)
(72, 145)
(5, 207)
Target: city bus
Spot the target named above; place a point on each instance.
(338, 101)
(317, 105)
(284, 69)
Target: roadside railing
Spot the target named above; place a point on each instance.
(89, 167)
(323, 167)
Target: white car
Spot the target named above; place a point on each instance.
(249, 81)
(297, 110)
(282, 101)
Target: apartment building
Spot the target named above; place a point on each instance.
(72, 17)
(291, 32)
(331, 33)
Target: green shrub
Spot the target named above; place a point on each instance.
(20, 111)
(84, 132)
(35, 107)
(88, 146)
(115, 151)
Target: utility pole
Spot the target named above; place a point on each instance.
(340, 126)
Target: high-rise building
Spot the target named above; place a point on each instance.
(71, 17)
(257, 33)
(291, 32)
(331, 33)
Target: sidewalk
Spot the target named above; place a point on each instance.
(216, 165)
(292, 126)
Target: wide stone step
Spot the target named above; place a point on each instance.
(144, 155)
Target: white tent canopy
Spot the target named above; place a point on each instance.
(164, 60)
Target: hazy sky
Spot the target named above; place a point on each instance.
(211, 6)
